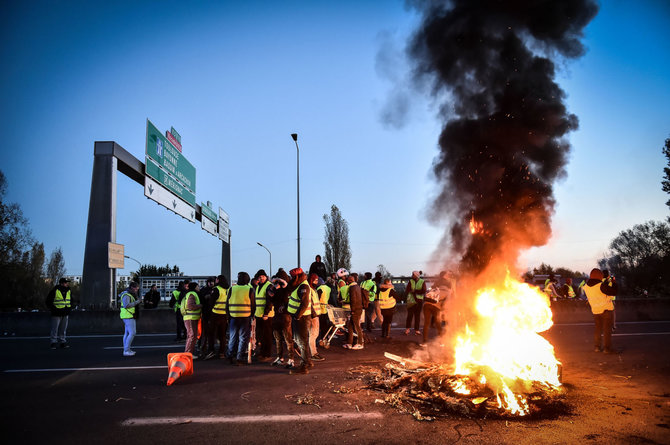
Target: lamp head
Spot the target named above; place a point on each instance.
(294, 136)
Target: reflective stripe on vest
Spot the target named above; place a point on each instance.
(294, 301)
(316, 305)
(325, 296)
(344, 295)
(239, 302)
(129, 312)
(371, 287)
(61, 302)
(385, 301)
(191, 314)
(261, 300)
(220, 303)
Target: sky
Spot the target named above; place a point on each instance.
(235, 79)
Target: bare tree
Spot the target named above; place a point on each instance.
(336, 241)
(56, 266)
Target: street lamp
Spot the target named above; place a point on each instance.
(138, 263)
(270, 256)
(295, 139)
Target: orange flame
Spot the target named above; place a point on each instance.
(475, 226)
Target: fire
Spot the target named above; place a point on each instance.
(503, 346)
(475, 226)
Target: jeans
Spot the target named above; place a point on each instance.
(129, 333)
(603, 327)
(431, 317)
(313, 334)
(387, 315)
(354, 324)
(239, 331)
(301, 337)
(191, 335)
(281, 330)
(414, 311)
(58, 328)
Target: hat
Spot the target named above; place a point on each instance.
(260, 272)
(297, 271)
(341, 273)
(63, 280)
(596, 274)
(416, 272)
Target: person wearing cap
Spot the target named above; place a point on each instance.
(264, 315)
(240, 307)
(59, 303)
(218, 323)
(358, 304)
(129, 314)
(282, 321)
(387, 302)
(300, 308)
(600, 295)
(415, 290)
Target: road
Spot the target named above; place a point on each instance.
(89, 393)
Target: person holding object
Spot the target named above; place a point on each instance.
(191, 309)
(415, 290)
(58, 302)
(300, 308)
(152, 298)
(600, 296)
(358, 305)
(129, 314)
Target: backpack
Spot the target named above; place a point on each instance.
(365, 296)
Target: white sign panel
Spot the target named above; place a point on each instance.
(224, 230)
(153, 190)
(208, 225)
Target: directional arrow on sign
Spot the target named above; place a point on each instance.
(151, 189)
(156, 192)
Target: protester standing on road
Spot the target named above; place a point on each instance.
(175, 303)
(387, 304)
(316, 314)
(415, 290)
(343, 289)
(59, 303)
(431, 314)
(264, 315)
(323, 292)
(300, 308)
(319, 269)
(600, 296)
(129, 312)
(281, 323)
(358, 305)
(152, 298)
(205, 295)
(240, 307)
(191, 309)
(370, 313)
(218, 323)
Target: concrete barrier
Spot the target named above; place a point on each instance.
(163, 320)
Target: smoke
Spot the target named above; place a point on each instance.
(503, 144)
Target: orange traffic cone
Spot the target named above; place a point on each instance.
(180, 364)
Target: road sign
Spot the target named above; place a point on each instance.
(166, 156)
(153, 190)
(152, 169)
(224, 230)
(208, 212)
(115, 258)
(208, 225)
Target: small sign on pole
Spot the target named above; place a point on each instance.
(115, 256)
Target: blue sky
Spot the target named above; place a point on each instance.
(237, 78)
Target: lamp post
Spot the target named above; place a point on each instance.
(270, 256)
(138, 264)
(295, 139)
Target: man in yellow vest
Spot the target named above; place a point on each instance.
(416, 289)
(264, 315)
(218, 323)
(191, 309)
(387, 302)
(316, 314)
(240, 307)
(300, 308)
(175, 303)
(600, 295)
(323, 292)
(58, 302)
(129, 311)
(370, 311)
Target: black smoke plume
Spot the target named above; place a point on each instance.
(503, 144)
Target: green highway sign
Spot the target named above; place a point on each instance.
(153, 170)
(169, 159)
(208, 212)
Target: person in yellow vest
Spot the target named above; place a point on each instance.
(600, 296)
(370, 311)
(300, 308)
(129, 311)
(264, 316)
(218, 322)
(358, 305)
(316, 320)
(241, 307)
(415, 291)
(568, 290)
(59, 303)
(191, 309)
(432, 316)
(175, 303)
(343, 289)
(387, 302)
(323, 292)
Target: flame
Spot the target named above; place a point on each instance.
(504, 346)
(475, 226)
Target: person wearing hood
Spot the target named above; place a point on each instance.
(318, 268)
(358, 305)
(600, 295)
(59, 303)
(240, 307)
(300, 308)
(281, 322)
(264, 315)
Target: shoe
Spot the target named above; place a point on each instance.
(610, 351)
(210, 356)
(357, 346)
(231, 360)
(596, 349)
(241, 363)
(277, 362)
(54, 345)
(196, 357)
(128, 353)
(290, 363)
(222, 355)
(417, 332)
(346, 346)
(301, 370)
(63, 345)
(264, 359)
(317, 358)
(423, 345)
(406, 331)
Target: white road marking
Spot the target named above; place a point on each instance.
(9, 337)
(260, 418)
(175, 346)
(642, 333)
(111, 368)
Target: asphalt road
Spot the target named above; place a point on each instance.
(91, 394)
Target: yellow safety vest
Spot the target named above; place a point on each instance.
(571, 292)
(175, 294)
(344, 295)
(414, 286)
(239, 302)
(61, 302)
(325, 296)
(261, 300)
(316, 304)
(127, 312)
(371, 287)
(294, 301)
(386, 301)
(191, 314)
(220, 303)
(598, 301)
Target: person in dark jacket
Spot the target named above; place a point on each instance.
(152, 298)
(205, 295)
(300, 308)
(58, 302)
(282, 321)
(600, 295)
(358, 305)
(318, 268)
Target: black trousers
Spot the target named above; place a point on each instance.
(603, 330)
(414, 312)
(388, 319)
(264, 336)
(217, 328)
(181, 328)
